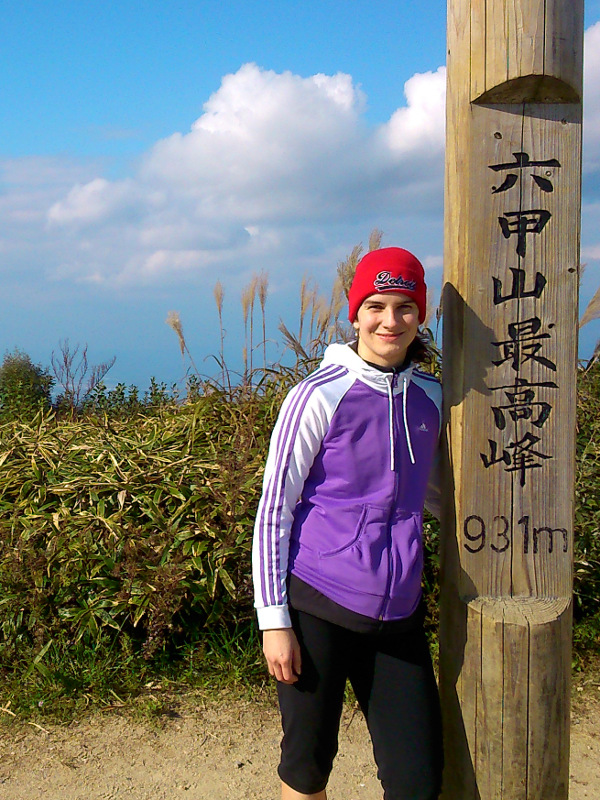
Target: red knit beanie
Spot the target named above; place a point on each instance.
(390, 269)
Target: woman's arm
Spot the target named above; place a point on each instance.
(295, 442)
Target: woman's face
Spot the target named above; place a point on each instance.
(386, 324)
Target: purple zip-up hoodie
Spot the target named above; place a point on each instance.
(347, 476)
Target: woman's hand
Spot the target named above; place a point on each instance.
(282, 652)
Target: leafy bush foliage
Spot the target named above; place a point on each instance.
(132, 525)
(587, 514)
(125, 528)
(137, 528)
(24, 386)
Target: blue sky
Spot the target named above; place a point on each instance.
(149, 149)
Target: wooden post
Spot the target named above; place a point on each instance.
(513, 193)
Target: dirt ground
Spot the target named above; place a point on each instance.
(222, 751)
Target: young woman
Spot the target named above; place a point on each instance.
(338, 557)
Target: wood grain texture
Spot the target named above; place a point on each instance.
(549, 693)
(515, 719)
(496, 42)
(511, 261)
(478, 47)
(490, 695)
(526, 51)
(563, 53)
(525, 26)
(517, 668)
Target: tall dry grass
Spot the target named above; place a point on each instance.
(125, 532)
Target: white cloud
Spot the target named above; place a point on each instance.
(278, 172)
(28, 187)
(433, 262)
(420, 126)
(272, 155)
(591, 253)
(591, 103)
(93, 202)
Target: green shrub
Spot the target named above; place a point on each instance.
(587, 515)
(125, 528)
(24, 386)
(131, 536)
(140, 526)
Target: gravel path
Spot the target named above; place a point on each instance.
(221, 751)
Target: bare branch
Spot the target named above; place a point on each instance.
(74, 375)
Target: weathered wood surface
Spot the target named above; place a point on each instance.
(523, 50)
(513, 189)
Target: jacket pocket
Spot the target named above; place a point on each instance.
(361, 564)
(369, 516)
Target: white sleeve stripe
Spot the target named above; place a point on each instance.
(271, 570)
(276, 496)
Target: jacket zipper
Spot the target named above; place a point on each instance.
(386, 596)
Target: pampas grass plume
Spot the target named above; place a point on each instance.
(173, 320)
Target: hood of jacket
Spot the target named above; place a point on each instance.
(390, 383)
(344, 355)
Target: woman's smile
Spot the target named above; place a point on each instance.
(386, 324)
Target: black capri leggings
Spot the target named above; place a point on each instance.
(393, 681)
